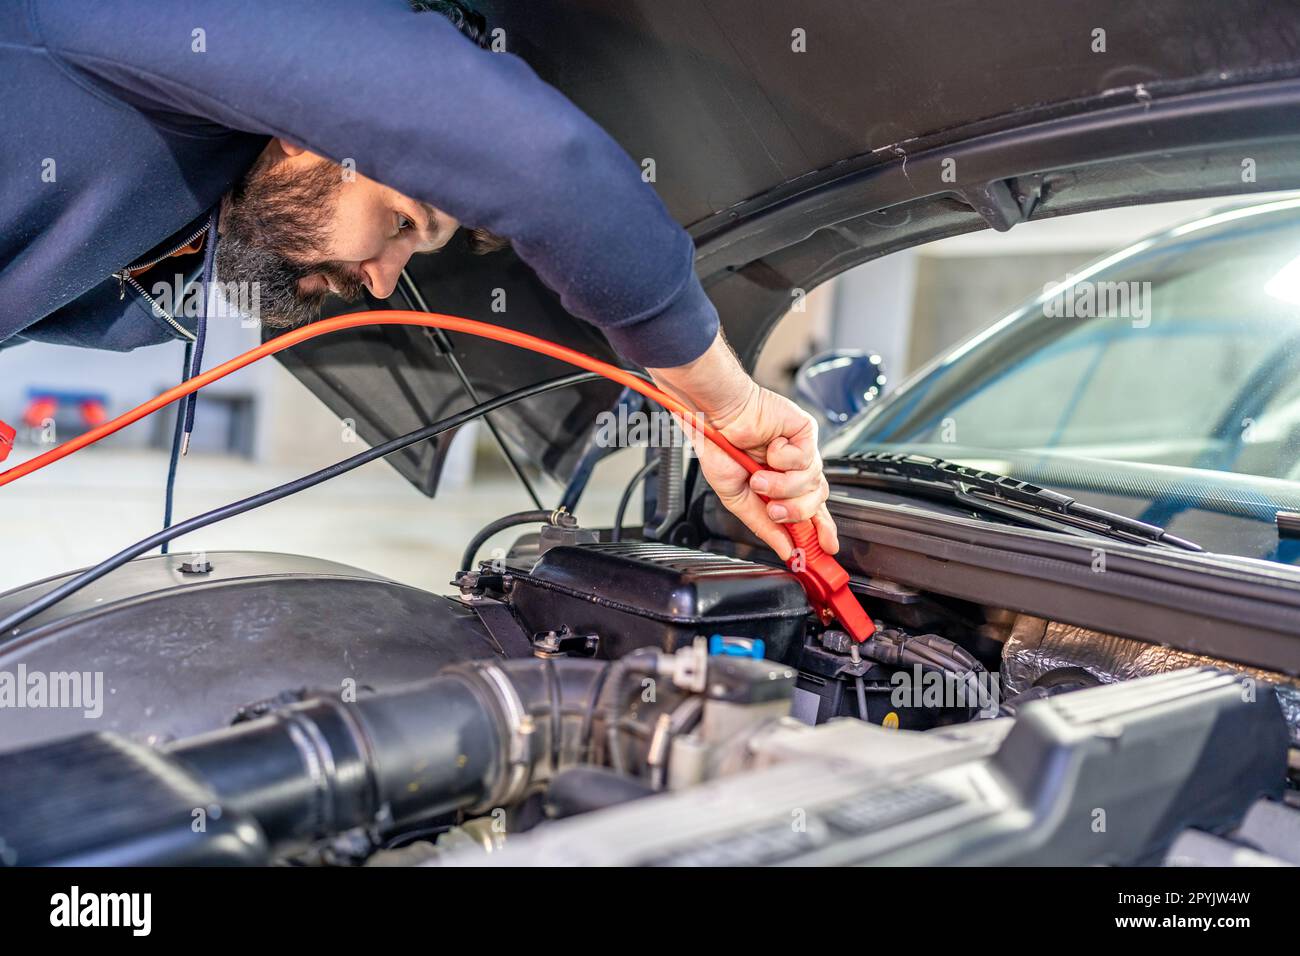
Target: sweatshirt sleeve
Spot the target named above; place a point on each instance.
(422, 109)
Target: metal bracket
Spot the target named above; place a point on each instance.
(501, 625)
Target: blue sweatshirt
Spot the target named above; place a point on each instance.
(124, 122)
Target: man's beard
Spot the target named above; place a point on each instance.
(274, 225)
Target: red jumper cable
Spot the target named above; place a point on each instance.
(824, 580)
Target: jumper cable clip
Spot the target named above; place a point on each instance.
(827, 583)
(823, 578)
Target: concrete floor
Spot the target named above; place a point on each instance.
(91, 505)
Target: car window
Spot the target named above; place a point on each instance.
(1181, 353)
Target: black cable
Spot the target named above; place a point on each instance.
(509, 521)
(596, 450)
(586, 737)
(947, 662)
(109, 565)
(640, 476)
(615, 677)
(402, 838)
(589, 716)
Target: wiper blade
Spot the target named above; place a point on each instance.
(1003, 495)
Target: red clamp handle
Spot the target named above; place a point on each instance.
(826, 583)
(7, 436)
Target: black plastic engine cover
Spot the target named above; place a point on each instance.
(642, 594)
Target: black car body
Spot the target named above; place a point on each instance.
(793, 144)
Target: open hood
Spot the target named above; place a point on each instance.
(795, 141)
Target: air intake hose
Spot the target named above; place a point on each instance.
(478, 736)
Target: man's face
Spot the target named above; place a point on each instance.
(303, 228)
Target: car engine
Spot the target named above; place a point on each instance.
(588, 701)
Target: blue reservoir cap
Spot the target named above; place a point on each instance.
(737, 646)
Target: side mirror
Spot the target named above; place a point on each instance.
(840, 383)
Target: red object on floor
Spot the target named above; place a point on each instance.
(7, 436)
(39, 411)
(93, 412)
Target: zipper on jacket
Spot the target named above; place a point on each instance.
(124, 278)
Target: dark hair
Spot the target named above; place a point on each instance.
(473, 25)
(462, 16)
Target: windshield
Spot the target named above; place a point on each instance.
(1162, 382)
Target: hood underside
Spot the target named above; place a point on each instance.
(796, 142)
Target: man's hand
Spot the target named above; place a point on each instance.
(771, 429)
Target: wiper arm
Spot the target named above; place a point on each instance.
(1002, 495)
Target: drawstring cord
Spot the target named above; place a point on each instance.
(169, 496)
(206, 281)
(192, 365)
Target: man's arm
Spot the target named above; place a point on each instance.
(774, 430)
(420, 108)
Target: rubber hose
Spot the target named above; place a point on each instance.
(501, 524)
(640, 476)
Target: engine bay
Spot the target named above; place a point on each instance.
(588, 701)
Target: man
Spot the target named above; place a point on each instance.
(328, 141)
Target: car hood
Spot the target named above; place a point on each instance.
(749, 107)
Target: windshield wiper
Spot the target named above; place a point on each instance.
(991, 493)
